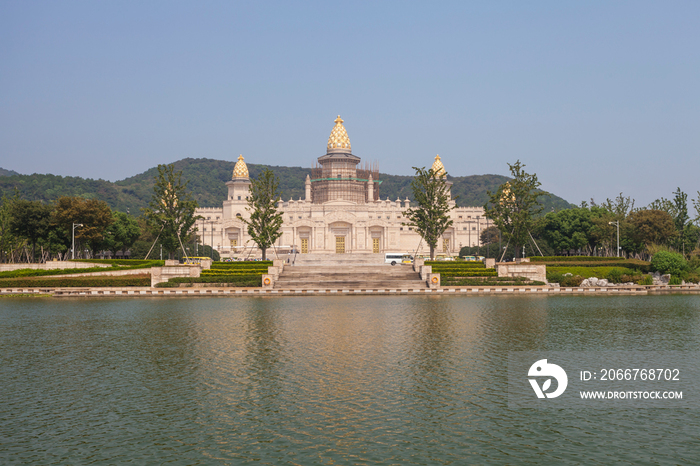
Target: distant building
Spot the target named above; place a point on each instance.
(341, 212)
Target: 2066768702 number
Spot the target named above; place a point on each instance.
(640, 374)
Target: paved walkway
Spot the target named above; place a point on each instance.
(453, 291)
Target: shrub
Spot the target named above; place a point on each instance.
(615, 275)
(646, 280)
(666, 262)
(571, 280)
(227, 280)
(675, 280)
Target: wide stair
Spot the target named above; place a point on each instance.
(347, 271)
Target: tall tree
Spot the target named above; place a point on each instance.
(653, 226)
(95, 216)
(170, 213)
(6, 236)
(122, 233)
(30, 220)
(265, 223)
(514, 205)
(431, 216)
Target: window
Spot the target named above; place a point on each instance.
(239, 198)
(208, 218)
(238, 215)
(473, 228)
(401, 229)
(217, 218)
(300, 216)
(465, 228)
(460, 216)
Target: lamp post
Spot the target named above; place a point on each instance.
(72, 247)
(617, 222)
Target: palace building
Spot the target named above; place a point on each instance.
(342, 212)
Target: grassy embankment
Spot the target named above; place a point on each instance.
(31, 278)
(613, 269)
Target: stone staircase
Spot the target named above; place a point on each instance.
(347, 271)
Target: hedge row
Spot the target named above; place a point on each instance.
(229, 280)
(574, 259)
(477, 264)
(72, 282)
(43, 273)
(131, 263)
(436, 268)
(243, 264)
(480, 273)
(628, 263)
(235, 272)
(496, 281)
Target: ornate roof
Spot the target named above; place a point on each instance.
(339, 137)
(241, 169)
(439, 168)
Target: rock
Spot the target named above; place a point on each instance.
(593, 281)
(568, 274)
(585, 283)
(603, 282)
(665, 279)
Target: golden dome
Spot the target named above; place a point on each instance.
(439, 168)
(339, 137)
(241, 169)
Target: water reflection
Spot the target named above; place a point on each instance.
(319, 380)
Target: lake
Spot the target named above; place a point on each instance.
(324, 380)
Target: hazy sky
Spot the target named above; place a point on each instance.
(596, 98)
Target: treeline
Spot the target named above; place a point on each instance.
(32, 231)
(207, 180)
(591, 229)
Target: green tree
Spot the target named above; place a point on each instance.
(30, 220)
(514, 206)
(122, 233)
(652, 226)
(570, 229)
(170, 213)
(7, 239)
(95, 217)
(265, 223)
(431, 216)
(490, 235)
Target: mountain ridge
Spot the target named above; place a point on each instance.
(206, 178)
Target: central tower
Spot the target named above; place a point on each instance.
(336, 176)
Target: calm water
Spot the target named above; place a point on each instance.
(342, 380)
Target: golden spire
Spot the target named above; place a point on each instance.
(241, 169)
(439, 168)
(339, 137)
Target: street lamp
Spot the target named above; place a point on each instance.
(617, 222)
(72, 248)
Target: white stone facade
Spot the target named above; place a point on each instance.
(365, 224)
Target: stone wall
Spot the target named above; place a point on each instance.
(525, 270)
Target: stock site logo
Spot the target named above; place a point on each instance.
(542, 369)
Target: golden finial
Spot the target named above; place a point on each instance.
(439, 168)
(339, 136)
(240, 170)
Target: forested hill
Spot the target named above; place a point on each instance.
(4, 172)
(206, 182)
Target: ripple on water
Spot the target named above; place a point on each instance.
(350, 380)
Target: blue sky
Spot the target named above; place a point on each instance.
(597, 98)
